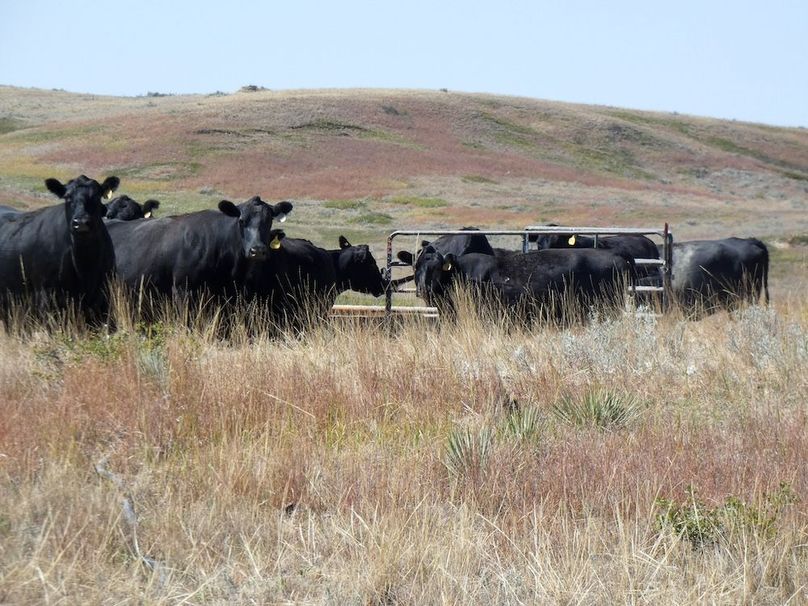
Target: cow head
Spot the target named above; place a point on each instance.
(83, 196)
(545, 241)
(434, 272)
(358, 269)
(125, 208)
(255, 224)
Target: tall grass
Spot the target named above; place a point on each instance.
(342, 463)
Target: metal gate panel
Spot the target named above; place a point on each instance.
(664, 262)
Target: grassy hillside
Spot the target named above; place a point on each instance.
(377, 159)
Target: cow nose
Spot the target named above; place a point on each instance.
(79, 225)
(258, 252)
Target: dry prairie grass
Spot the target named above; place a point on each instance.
(348, 465)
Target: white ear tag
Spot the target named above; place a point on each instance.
(447, 266)
(281, 218)
(571, 241)
(147, 215)
(108, 195)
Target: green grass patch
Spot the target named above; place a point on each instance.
(703, 525)
(478, 179)
(670, 123)
(418, 202)
(344, 129)
(730, 146)
(615, 161)
(344, 204)
(330, 126)
(790, 174)
(511, 133)
(159, 172)
(373, 219)
(8, 125)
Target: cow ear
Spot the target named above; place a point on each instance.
(448, 262)
(424, 243)
(55, 187)
(343, 242)
(281, 209)
(230, 209)
(149, 206)
(109, 185)
(405, 256)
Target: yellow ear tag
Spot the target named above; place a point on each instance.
(447, 266)
(275, 244)
(108, 195)
(571, 241)
(147, 215)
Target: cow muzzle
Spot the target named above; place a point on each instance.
(258, 252)
(79, 226)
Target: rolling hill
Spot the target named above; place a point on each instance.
(363, 162)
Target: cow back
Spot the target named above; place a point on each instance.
(188, 253)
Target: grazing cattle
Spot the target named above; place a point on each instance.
(125, 208)
(202, 252)
(303, 280)
(59, 254)
(462, 244)
(712, 274)
(633, 245)
(562, 282)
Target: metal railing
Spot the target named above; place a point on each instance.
(664, 263)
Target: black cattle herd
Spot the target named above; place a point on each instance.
(66, 254)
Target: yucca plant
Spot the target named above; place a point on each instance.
(597, 408)
(467, 452)
(524, 424)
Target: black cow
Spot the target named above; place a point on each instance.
(303, 280)
(560, 284)
(712, 274)
(635, 246)
(125, 208)
(60, 254)
(202, 252)
(462, 244)
(455, 244)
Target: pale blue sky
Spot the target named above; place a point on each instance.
(740, 59)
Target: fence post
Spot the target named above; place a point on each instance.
(667, 253)
(388, 275)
